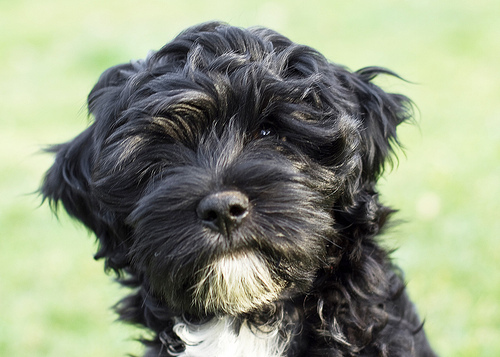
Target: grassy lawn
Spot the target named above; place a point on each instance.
(55, 299)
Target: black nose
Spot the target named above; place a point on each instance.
(223, 211)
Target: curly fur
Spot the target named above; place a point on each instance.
(224, 109)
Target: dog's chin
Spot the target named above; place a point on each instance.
(232, 284)
(236, 284)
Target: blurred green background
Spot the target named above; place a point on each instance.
(55, 298)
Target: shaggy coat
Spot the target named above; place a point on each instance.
(230, 179)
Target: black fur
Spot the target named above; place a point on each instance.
(244, 110)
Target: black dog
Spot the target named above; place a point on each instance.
(230, 180)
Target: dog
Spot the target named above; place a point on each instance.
(230, 179)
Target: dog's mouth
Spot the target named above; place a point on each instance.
(205, 272)
(234, 284)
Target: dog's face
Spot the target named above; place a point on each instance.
(224, 223)
(216, 168)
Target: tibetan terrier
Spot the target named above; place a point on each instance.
(230, 179)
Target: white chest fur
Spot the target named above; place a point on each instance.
(217, 338)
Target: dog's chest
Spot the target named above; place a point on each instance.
(217, 338)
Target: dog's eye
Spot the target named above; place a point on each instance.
(270, 133)
(266, 132)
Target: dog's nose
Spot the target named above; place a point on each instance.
(223, 211)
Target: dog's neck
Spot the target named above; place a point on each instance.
(220, 337)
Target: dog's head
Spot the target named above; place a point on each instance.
(229, 167)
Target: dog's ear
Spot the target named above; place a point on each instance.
(380, 113)
(69, 180)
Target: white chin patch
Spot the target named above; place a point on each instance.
(218, 338)
(235, 284)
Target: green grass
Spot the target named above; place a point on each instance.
(55, 298)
